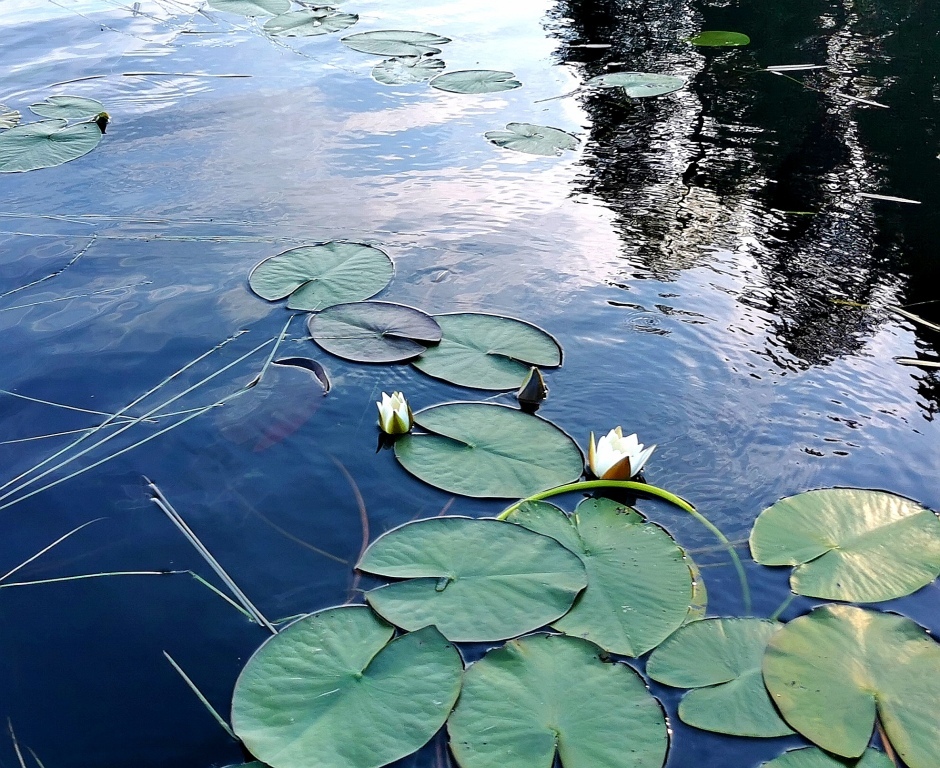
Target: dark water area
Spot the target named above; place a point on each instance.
(708, 260)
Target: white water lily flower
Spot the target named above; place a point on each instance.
(394, 414)
(616, 457)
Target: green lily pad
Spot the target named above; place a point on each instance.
(8, 117)
(488, 451)
(638, 85)
(475, 580)
(721, 660)
(332, 690)
(252, 7)
(319, 276)
(831, 672)
(395, 42)
(720, 39)
(476, 81)
(812, 757)
(850, 544)
(374, 331)
(533, 139)
(309, 22)
(639, 585)
(68, 108)
(488, 351)
(45, 144)
(543, 694)
(405, 70)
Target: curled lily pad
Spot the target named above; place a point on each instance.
(309, 22)
(546, 694)
(68, 107)
(46, 144)
(533, 139)
(476, 81)
(475, 580)
(8, 117)
(812, 757)
(720, 39)
(374, 331)
(252, 7)
(488, 451)
(335, 689)
(850, 544)
(404, 70)
(395, 42)
(638, 85)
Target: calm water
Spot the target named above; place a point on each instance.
(753, 344)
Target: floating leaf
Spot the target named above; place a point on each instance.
(638, 85)
(8, 117)
(404, 70)
(252, 7)
(318, 276)
(476, 81)
(45, 144)
(374, 331)
(68, 108)
(475, 580)
(395, 42)
(309, 22)
(639, 585)
(315, 368)
(720, 39)
(533, 139)
(831, 672)
(850, 544)
(721, 660)
(332, 690)
(812, 757)
(488, 351)
(483, 450)
(545, 693)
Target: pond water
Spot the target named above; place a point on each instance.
(708, 260)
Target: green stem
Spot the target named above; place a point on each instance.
(775, 616)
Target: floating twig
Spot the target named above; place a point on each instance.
(43, 551)
(205, 702)
(58, 272)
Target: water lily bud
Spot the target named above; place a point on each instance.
(395, 417)
(533, 390)
(616, 457)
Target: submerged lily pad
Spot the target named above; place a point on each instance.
(45, 144)
(488, 451)
(488, 351)
(476, 81)
(721, 660)
(252, 7)
(319, 276)
(533, 139)
(639, 585)
(475, 580)
(638, 85)
(374, 331)
(8, 117)
(395, 42)
(543, 694)
(850, 544)
(405, 70)
(309, 22)
(332, 690)
(720, 39)
(813, 757)
(833, 671)
(68, 107)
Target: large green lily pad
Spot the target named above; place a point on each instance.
(374, 331)
(475, 580)
(850, 544)
(639, 584)
(718, 39)
(638, 85)
(812, 757)
(45, 144)
(544, 694)
(309, 22)
(68, 107)
(488, 351)
(332, 690)
(252, 7)
(405, 70)
(395, 42)
(831, 672)
(721, 660)
(488, 451)
(533, 139)
(8, 117)
(319, 276)
(476, 81)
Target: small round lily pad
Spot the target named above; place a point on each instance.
(309, 22)
(405, 70)
(533, 139)
(719, 39)
(638, 85)
(395, 42)
(476, 81)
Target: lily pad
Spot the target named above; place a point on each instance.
(405, 70)
(488, 351)
(639, 585)
(68, 107)
(833, 671)
(850, 544)
(476, 81)
(374, 331)
(720, 39)
(309, 22)
(721, 660)
(252, 7)
(45, 144)
(8, 117)
(475, 580)
(638, 85)
(488, 451)
(395, 42)
(332, 690)
(533, 139)
(319, 276)
(543, 694)
(812, 757)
